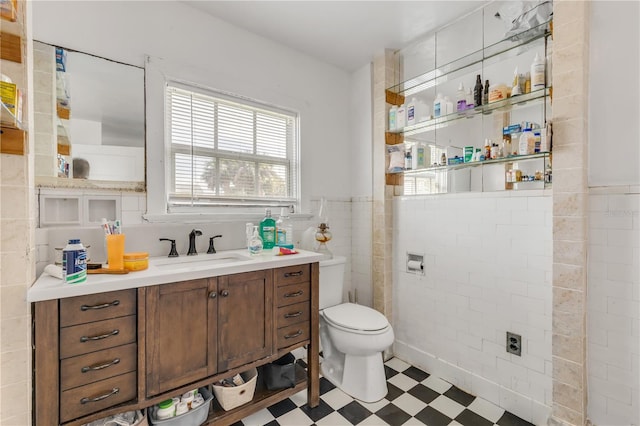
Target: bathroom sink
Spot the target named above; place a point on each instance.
(201, 260)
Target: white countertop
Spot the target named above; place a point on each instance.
(163, 270)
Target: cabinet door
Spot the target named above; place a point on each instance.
(245, 318)
(181, 336)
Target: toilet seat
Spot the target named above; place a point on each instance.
(356, 318)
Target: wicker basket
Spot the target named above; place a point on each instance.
(232, 397)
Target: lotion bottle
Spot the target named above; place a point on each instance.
(537, 73)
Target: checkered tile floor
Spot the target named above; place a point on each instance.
(414, 398)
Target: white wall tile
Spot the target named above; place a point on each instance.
(491, 273)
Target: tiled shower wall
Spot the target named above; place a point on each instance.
(613, 315)
(487, 260)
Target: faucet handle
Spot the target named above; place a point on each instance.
(173, 252)
(212, 249)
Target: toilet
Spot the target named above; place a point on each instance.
(352, 338)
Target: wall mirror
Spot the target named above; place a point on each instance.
(88, 122)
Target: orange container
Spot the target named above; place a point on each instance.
(115, 251)
(136, 261)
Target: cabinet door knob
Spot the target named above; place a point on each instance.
(212, 295)
(224, 293)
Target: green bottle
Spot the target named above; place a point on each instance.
(268, 231)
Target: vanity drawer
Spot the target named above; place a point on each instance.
(96, 307)
(94, 336)
(97, 396)
(294, 293)
(292, 274)
(293, 334)
(96, 366)
(292, 314)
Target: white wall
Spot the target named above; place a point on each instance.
(614, 56)
(487, 264)
(613, 309)
(239, 61)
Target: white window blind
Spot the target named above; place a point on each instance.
(231, 152)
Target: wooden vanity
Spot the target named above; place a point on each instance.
(108, 352)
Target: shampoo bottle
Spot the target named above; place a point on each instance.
(268, 231)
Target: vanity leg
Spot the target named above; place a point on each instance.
(313, 351)
(45, 363)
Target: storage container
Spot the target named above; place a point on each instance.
(194, 417)
(136, 261)
(232, 397)
(281, 373)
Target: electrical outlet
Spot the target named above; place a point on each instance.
(514, 343)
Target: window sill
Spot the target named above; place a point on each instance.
(214, 217)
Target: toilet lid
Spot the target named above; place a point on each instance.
(356, 317)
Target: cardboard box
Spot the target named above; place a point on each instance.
(9, 10)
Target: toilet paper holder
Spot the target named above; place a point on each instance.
(415, 263)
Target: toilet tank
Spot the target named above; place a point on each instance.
(331, 281)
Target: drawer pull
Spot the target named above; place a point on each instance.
(295, 294)
(100, 398)
(293, 314)
(291, 336)
(102, 336)
(293, 274)
(100, 367)
(104, 305)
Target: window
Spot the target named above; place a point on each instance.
(227, 151)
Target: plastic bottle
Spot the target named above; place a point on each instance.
(393, 117)
(487, 149)
(401, 118)
(448, 106)
(537, 73)
(411, 112)
(408, 160)
(477, 92)
(74, 262)
(438, 103)
(461, 98)
(470, 103)
(418, 156)
(443, 159)
(527, 142)
(422, 111)
(268, 231)
(255, 243)
(284, 229)
(485, 93)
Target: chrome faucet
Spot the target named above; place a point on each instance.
(192, 242)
